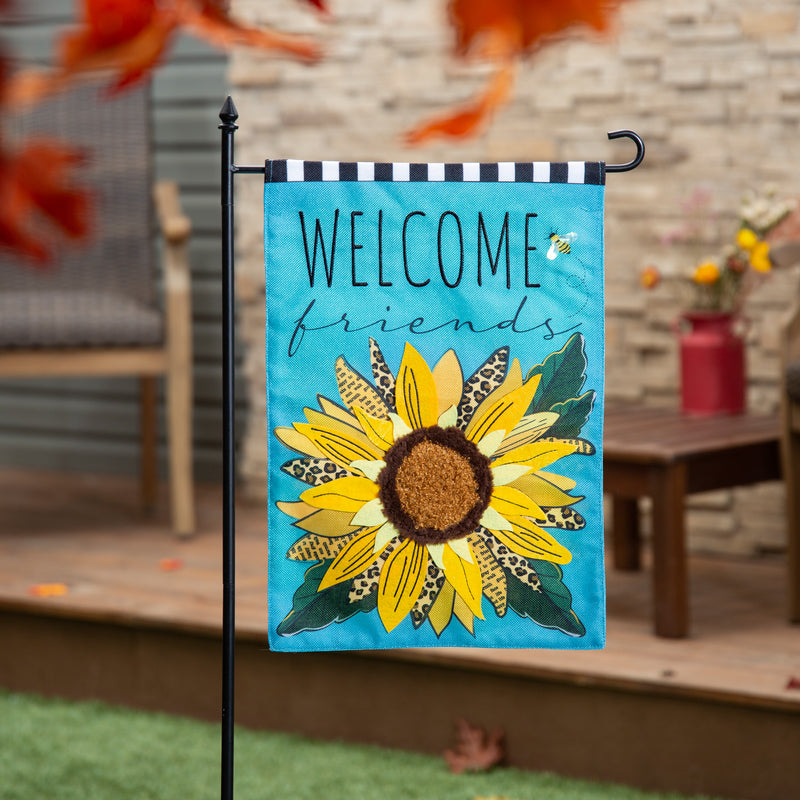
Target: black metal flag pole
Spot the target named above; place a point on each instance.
(228, 116)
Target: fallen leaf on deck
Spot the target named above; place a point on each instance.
(170, 564)
(475, 750)
(793, 683)
(503, 31)
(48, 589)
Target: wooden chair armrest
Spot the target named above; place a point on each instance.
(176, 227)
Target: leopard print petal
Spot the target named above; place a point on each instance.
(384, 380)
(434, 581)
(484, 381)
(314, 471)
(515, 565)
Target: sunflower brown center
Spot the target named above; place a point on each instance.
(435, 486)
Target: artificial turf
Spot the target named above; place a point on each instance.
(60, 750)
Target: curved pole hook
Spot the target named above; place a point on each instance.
(639, 151)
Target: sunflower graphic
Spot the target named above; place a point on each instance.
(428, 492)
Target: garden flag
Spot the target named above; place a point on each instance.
(434, 376)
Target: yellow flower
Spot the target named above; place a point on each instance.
(746, 239)
(427, 493)
(650, 277)
(707, 273)
(759, 257)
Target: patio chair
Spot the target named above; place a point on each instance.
(96, 310)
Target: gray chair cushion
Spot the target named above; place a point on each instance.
(76, 319)
(793, 380)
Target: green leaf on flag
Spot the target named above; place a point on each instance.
(551, 605)
(573, 415)
(563, 375)
(313, 610)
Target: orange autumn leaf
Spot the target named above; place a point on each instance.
(127, 39)
(524, 25)
(48, 589)
(209, 19)
(466, 120)
(36, 186)
(170, 564)
(504, 31)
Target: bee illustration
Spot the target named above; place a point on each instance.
(560, 244)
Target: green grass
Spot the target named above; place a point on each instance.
(58, 750)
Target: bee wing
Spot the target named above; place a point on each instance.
(569, 237)
(553, 251)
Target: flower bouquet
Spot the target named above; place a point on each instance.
(711, 351)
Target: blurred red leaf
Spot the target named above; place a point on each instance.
(475, 750)
(504, 31)
(793, 683)
(129, 38)
(36, 186)
(170, 564)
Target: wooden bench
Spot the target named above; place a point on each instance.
(663, 455)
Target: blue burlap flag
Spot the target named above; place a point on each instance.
(435, 347)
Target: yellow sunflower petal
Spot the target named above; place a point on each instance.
(530, 428)
(370, 468)
(319, 419)
(415, 391)
(562, 481)
(340, 446)
(335, 410)
(296, 510)
(494, 521)
(401, 581)
(504, 413)
(508, 473)
(295, 440)
(379, 431)
(512, 381)
(442, 609)
(356, 556)
(465, 576)
(449, 380)
(536, 455)
(371, 513)
(531, 541)
(464, 613)
(510, 502)
(342, 494)
(543, 492)
(355, 390)
(327, 523)
(384, 535)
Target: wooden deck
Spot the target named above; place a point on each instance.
(717, 713)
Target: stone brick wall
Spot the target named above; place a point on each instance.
(712, 86)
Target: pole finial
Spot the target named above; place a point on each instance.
(228, 114)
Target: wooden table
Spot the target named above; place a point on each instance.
(661, 454)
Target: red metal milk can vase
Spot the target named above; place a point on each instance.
(712, 365)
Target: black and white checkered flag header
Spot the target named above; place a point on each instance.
(578, 172)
